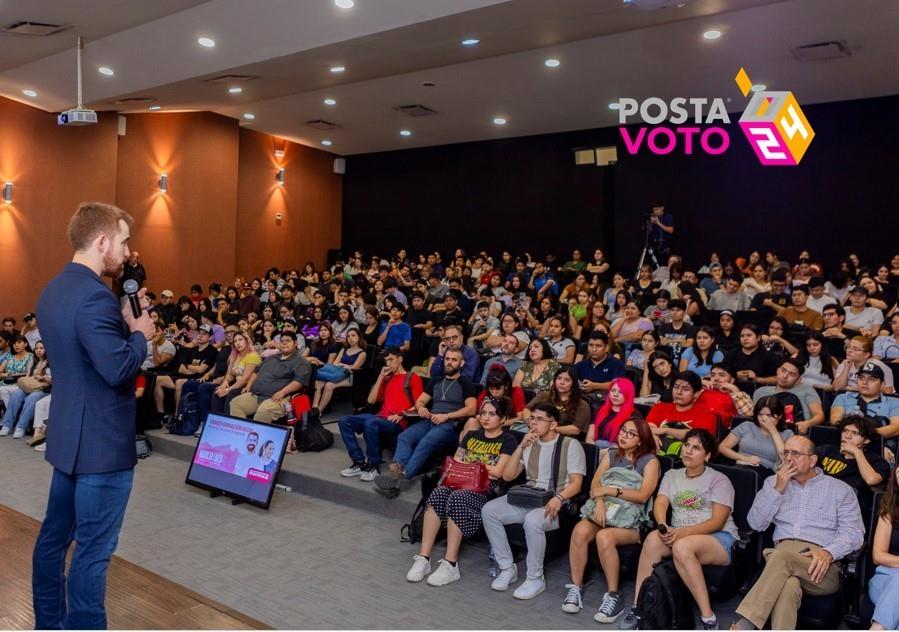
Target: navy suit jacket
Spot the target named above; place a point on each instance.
(95, 359)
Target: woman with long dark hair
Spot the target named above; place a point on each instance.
(702, 355)
(819, 365)
(658, 376)
(564, 394)
(759, 443)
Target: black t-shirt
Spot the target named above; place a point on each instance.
(760, 361)
(449, 395)
(781, 300)
(196, 357)
(837, 347)
(481, 449)
(727, 343)
(221, 361)
(418, 317)
(831, 460)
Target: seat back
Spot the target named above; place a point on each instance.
(747, 483)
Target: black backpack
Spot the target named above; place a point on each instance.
(311, 435)
(187, 421)
(664, 602)
(412, 530)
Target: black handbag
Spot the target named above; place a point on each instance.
(531, 497)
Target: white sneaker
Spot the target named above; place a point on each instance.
(505, 578)
(4, 431)
(368, 475)
(445, 574)
(421, 566)
(19, 433)
(356, 469)
(530, 588)
(41, 448)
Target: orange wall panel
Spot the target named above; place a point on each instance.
(52, 169)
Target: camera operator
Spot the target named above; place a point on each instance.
(661, 228)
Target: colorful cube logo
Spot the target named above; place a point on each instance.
(774, 125)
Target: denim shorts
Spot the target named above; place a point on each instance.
(726, 540)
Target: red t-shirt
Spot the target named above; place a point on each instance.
(517, 397)
(696, 417)
(394, 397)
(718, 403)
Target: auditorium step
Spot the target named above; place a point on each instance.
(315, 474)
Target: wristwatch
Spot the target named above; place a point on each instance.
(618, 493)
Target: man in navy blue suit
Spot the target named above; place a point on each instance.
(97, 349)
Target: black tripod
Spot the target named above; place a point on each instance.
(648, 250)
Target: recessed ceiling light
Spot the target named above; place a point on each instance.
(345, 4)
(327, 143)
(338, 68)
(104, 70)
(153, 108)
(405, 132)
(552, 63)
(29, 93)
(614, 105)
(235, 90)
(758, 87)
(471, 41)
(330, 101)
(249, 116)
(206, 42)
(499, 121)
(712, 35)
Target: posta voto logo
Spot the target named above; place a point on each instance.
(773, 123)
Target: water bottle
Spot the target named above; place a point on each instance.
(493, 568)
(288, 410)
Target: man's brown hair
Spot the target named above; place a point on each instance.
(93, 218)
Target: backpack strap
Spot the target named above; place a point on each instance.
(407, 381)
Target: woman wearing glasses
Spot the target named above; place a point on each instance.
(634, 452)
(460, 510)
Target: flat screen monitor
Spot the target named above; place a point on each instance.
(238, 458)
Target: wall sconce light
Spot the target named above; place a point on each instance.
(164, 182)
(280, 176)
(279, 153)
(7, 193)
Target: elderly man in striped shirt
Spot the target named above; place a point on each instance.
(817, 522)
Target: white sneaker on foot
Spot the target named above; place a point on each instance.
(505, 578)
(19, 433)
(445, 574)
(4, 431)
(369, 475)
(530, 588)
(356, 469)
(421, 566)
(41, 448)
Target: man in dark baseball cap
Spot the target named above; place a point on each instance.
(870, 402)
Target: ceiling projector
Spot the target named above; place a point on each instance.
(77, 116)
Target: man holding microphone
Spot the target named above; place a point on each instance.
(97, 350)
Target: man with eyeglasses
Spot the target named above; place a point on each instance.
(774, 300)
(453, 339)
(869, 401)
(807, 410)
(452, 398)
(817, 522)
(534, 457)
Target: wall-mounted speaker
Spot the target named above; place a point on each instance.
(340, 165)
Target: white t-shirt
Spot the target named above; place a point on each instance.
(561, 347)
(577, 461)
(165, 347)
(245, 462)
(870, 317)
(818, 304)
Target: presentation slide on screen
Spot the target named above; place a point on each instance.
(238, 456)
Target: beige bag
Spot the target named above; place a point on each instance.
(30, 384)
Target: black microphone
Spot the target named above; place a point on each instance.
(131, 288)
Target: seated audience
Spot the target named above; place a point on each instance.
(195, 361)
(630, 327)
(721, 379)
(730, 296)
(700, 357)
(509, 324)
(658, 376)
(395, 332)
(565, 395)
(835, 332)
(886, 348)
(801, 402)
(775, 341)
(776, 297)
(396, 391)
(30, 389)
(563, 347)
(819, 364)
(727, 337)
(869, 402)
(204, 387)
(454, 339)
(671, 421)
(323, 349)
(272, 384)
(883, 588)
(243, 361)
(160, 350)
(678, 333)
(701, 531)
(617, 408)
(760, 442)
(799, 313)
(16, 364)
(858, 354)
(751, 362)
(817, 522)
(460, 509)
(857, 460)
(538, 371)
(506, 360)
(533, 456)
(339, 373)
(480, 325)
(636, 359)
(624, 483)
(860, 318)
(598, 369)
(452, 398)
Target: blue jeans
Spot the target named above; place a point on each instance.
(884, 592)
(371, 427)
(419, 441)
(22, 406)
(205, 394)
(89, 509)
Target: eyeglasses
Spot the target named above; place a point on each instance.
(455, 337)
(791, 453)
(540, 420)
(630, 434)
